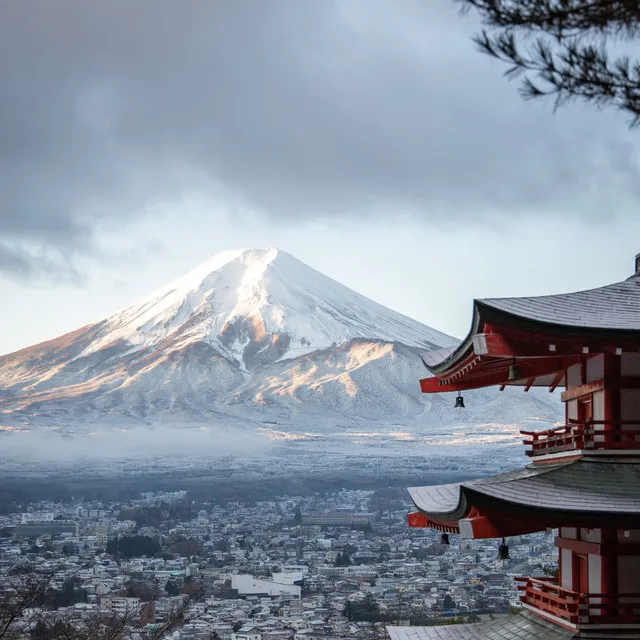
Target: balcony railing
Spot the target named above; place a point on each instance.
(592, 434)
(579, 609)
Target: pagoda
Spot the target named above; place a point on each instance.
(583, 478)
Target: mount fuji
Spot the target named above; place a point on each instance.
(251, 338)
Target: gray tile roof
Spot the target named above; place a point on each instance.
(440, 498)
(615, 306)
(602, 486)
(437, 355)
(516, 627)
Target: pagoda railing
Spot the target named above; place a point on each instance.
(591, 434)
(579, 609)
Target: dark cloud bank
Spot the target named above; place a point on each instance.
(298, 109)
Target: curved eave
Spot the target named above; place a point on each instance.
(462, 351)
(575, 488)
(445, 502)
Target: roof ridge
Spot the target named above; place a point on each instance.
(509, 476)
(562, 294)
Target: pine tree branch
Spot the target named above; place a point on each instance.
(568, 70)
(561, 18)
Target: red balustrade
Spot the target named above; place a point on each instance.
(592, 434)
(579, 609)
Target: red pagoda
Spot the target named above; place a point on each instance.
(583, 478)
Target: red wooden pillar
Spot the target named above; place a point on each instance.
(609, 561)
(612, 399)
(560, 560)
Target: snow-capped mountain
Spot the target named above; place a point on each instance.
(257, 307)
(252, 337)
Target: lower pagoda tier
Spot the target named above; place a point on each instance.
(595, 506)
(582, 493)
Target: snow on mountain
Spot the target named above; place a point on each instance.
(251, 337)
(260, 305)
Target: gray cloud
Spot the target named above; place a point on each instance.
(22, 264)
(300, 109)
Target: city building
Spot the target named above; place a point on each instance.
(35, 528)
(36, 516)
(583, 478)
(248, 585)
(338, 517)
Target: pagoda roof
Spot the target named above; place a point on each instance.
(612, 307)
(511, 627)
(582, 486)
(555, 325)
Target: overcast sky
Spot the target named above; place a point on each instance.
(366, 137)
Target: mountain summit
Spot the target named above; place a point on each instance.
(250, 337)
(257, 306)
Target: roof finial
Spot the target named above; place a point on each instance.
(637, 263)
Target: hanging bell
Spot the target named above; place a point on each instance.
(444, 538)
(459, 401)
(514, 371)
(503, 550)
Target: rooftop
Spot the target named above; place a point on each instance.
(513, 627)
(603, 314)
(614, 306)
(583, 486)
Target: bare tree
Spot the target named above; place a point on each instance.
(565, 48)
(18, 593)
(24, 615)
(103, 626)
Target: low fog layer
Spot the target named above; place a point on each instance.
(198, 443)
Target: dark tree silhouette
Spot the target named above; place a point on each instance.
(133, 546)
(221, 545)
(342, 560)
(564, 48)
(172, 588)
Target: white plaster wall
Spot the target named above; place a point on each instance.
(595, 574)
(630, 364)
(574, 379)
(628, 574)
(595, 368)
(566, 573)
(590, 535)
(598, 405)
(569, 532)
(572, 410)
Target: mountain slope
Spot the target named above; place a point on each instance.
(245, 302)
(250, 337)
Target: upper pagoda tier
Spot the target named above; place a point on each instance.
(541, 335)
